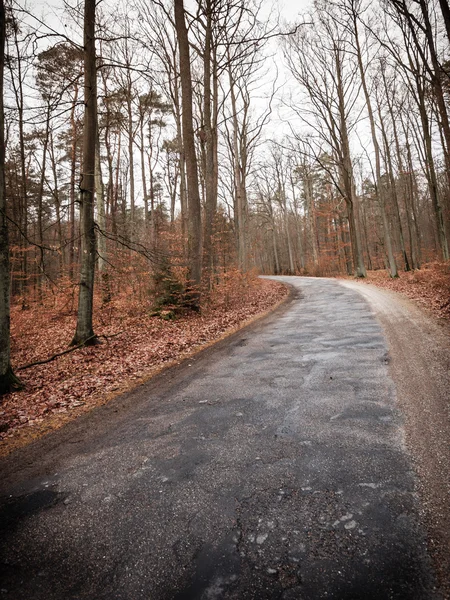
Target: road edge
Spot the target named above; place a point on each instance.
(58, 424)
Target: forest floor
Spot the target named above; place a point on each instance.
(135, 346)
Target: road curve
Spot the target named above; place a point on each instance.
(271, 466)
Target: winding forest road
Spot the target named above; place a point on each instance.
(273, 465)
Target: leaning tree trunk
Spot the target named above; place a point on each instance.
(194, 207)
(8, 380)
(84, 333)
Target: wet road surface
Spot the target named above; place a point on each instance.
(270, 466)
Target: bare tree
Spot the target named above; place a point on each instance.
(319, 60)
(8, 380)
(84, 333)
(352, 10)
(194, 208)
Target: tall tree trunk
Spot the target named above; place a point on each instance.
(41, 263)
(446, 14)
(101, 222)
(438, 90)
(143, 173)
(311, 217)
(84, 331)
(130, 157)
(434, 73)
(210, 188)
(151, 177)
(115, 210)
(390, 168)
(181, 158)
(194, 207)
(407, 198)
(298, 226)
(431, 177)
(57, 200)
(379, 186)
(8, 380)
(346, 169)
(72, 194)
(100, 205)
(240, 208)
(19, 96)
(344, 241)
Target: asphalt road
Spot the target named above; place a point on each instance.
(270, 466)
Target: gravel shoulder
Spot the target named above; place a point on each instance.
(419, 353)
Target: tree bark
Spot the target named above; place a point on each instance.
(41, 260)
(8, 380)
(194, 207)
(446, 14)
(84, 331)
(347, 177)
(210, 158)
(376, 147)
(72, 194)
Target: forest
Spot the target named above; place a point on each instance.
(155, 157)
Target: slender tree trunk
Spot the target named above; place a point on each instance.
(345, 244)
(407, 198)
(101, 222)
(311, 216)
(181, 159)
(446, 14)
(131, 166)
(346, 169)
(438, 90)
(210, 188)
(73, 166)
(194, 207)
(275, 251)
(18, 90)
(57, 200)
(143, 173)
(379, 186)
(388, 161)
(115, 196)
(41, 263)
(432, 179)
(240, 199)
(298, 226)
(109, 155)
(151, 177)
(84, 331)
(8, 380)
